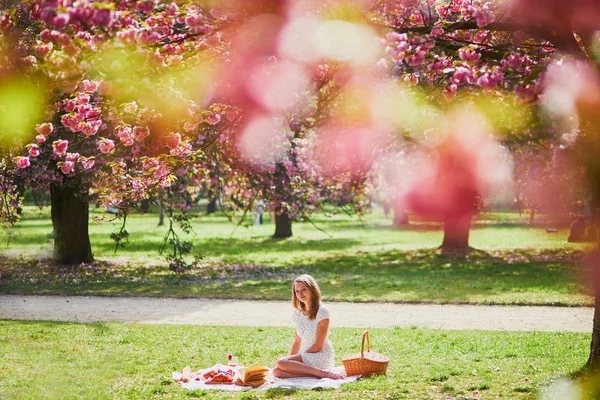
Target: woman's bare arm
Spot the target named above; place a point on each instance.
(296, 346)
(321, 336)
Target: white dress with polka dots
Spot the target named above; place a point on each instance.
(307, 330)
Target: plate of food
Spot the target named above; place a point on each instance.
(219, 376)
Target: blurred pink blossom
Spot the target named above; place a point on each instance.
(23, 162)
(213, 119)
(140, 133)
(173, 140)
(45, 129)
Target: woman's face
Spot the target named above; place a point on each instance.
(302, 292)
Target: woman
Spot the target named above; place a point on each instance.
(311, 353)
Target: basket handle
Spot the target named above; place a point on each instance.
(362, 347)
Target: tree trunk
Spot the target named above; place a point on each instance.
(70, 214)
(161, 214)
(161, 208)
(456, 231)
(400, 217)
(283, 225)
(211, 207)
(594, 359)
(145, 206)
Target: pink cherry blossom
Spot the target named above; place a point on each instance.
(194, 20)
(130, 107)
(469, 55)
(189, 126)
(34, 151)
(483, 18)
(437, 31)
(171, 8)
(67, 167)
(461, 75)
(45, 36)
(87, 163)
(41, 51)
(90, 129)
(60, 147)
(449, 91)
(140, 133)
(514, 60)
(213, 119)
(146, 6)
(23, 162)
(231, 115)
(173, 140)
(82, 98)
(30, 61)
(184, 150)
(106, 145)
(147, 37)
(125, 135)
(93, 113)
(69, 105)
(161, 171)
(45, 129)
(102, 16)
(60, 21)
(127, 35)
(88, 86)
(137, 184)
(149, 163)
(40, 138)
(72, 157)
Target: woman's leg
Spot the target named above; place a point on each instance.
(294, 365)
(279, 373)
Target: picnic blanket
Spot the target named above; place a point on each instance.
(272, 382)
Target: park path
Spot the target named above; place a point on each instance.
(147, 310)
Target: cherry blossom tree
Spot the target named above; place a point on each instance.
(144, 87)
(129, 85)
(492, 55)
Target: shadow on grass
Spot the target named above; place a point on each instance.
(432, 276)
(218, 246)
(550, 277)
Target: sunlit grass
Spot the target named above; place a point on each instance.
(354, 261)
(109, 360)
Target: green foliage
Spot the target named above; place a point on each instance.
(177, 260)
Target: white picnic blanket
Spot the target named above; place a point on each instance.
(272, 382)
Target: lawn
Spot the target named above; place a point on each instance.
(353, 260)
(53, 360)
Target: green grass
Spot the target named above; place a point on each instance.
(361, 261)
(54, 360)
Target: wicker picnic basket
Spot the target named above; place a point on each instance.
(365, 363)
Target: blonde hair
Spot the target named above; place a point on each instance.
(315, 292)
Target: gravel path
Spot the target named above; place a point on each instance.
(147, 310)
